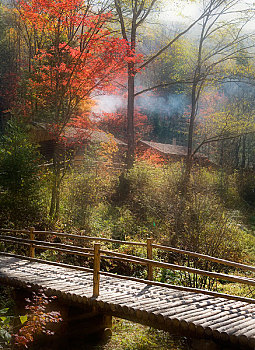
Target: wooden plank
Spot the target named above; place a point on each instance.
(172, 306)
(198, 315)
(248, 330)
(214, 320)
(233, 324)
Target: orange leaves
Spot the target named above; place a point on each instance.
(151, 157)
(78, 130)
(62, 17)
(44, 14)
(108, 150)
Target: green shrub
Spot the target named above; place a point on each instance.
(153, 206)
(85, 189)
(21, 200)
(247, 187)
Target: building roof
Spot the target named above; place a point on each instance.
(170, 149)
(93, 136)
(101, 136)
(166, 148)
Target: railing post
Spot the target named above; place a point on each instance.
(149, 256)
(96, 270)
(32, 238)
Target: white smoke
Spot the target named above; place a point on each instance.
(168, 105)
(108, 104)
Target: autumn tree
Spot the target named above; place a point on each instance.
(220, 41)
(132, 15)
(72, 54)
(226, 118)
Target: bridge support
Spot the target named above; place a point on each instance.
(81, 322)
(209, 344)
(198, 344)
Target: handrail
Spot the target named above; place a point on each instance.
(142, 244)
(135, 279)
(145, 261)
(90, 238)
(13, 231)
(97, 253)
(125, 258)
(38, 243)
(205, 257)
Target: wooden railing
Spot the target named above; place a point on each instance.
(97, 253)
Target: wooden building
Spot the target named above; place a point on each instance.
(171, 152)
(78, 140)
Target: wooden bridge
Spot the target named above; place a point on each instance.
(180, 310)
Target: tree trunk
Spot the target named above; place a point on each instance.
(56, 182)
(243, 152)
(130, 116)
(189, 159)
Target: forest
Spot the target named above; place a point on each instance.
(128, 120)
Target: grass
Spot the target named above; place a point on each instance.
(132, 336)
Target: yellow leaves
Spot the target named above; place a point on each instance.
(108, 149)
(87, 104)
(23, 319)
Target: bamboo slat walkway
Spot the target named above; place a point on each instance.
(162, 307)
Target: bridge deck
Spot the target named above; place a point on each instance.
(162, 307)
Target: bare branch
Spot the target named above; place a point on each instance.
(218, 138)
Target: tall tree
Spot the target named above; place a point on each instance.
(220, 41)
(73, 55)
(132, 15)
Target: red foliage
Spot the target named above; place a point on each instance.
(116, 123)
(8, 90)
(77, 55)
(211, 103)
(151, 157)
(37, 320)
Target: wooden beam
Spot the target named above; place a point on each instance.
(89, 238)
(32, 238)
(96, 270)
(149, 257)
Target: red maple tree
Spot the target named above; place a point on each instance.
(77, 55)
(72, 54)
